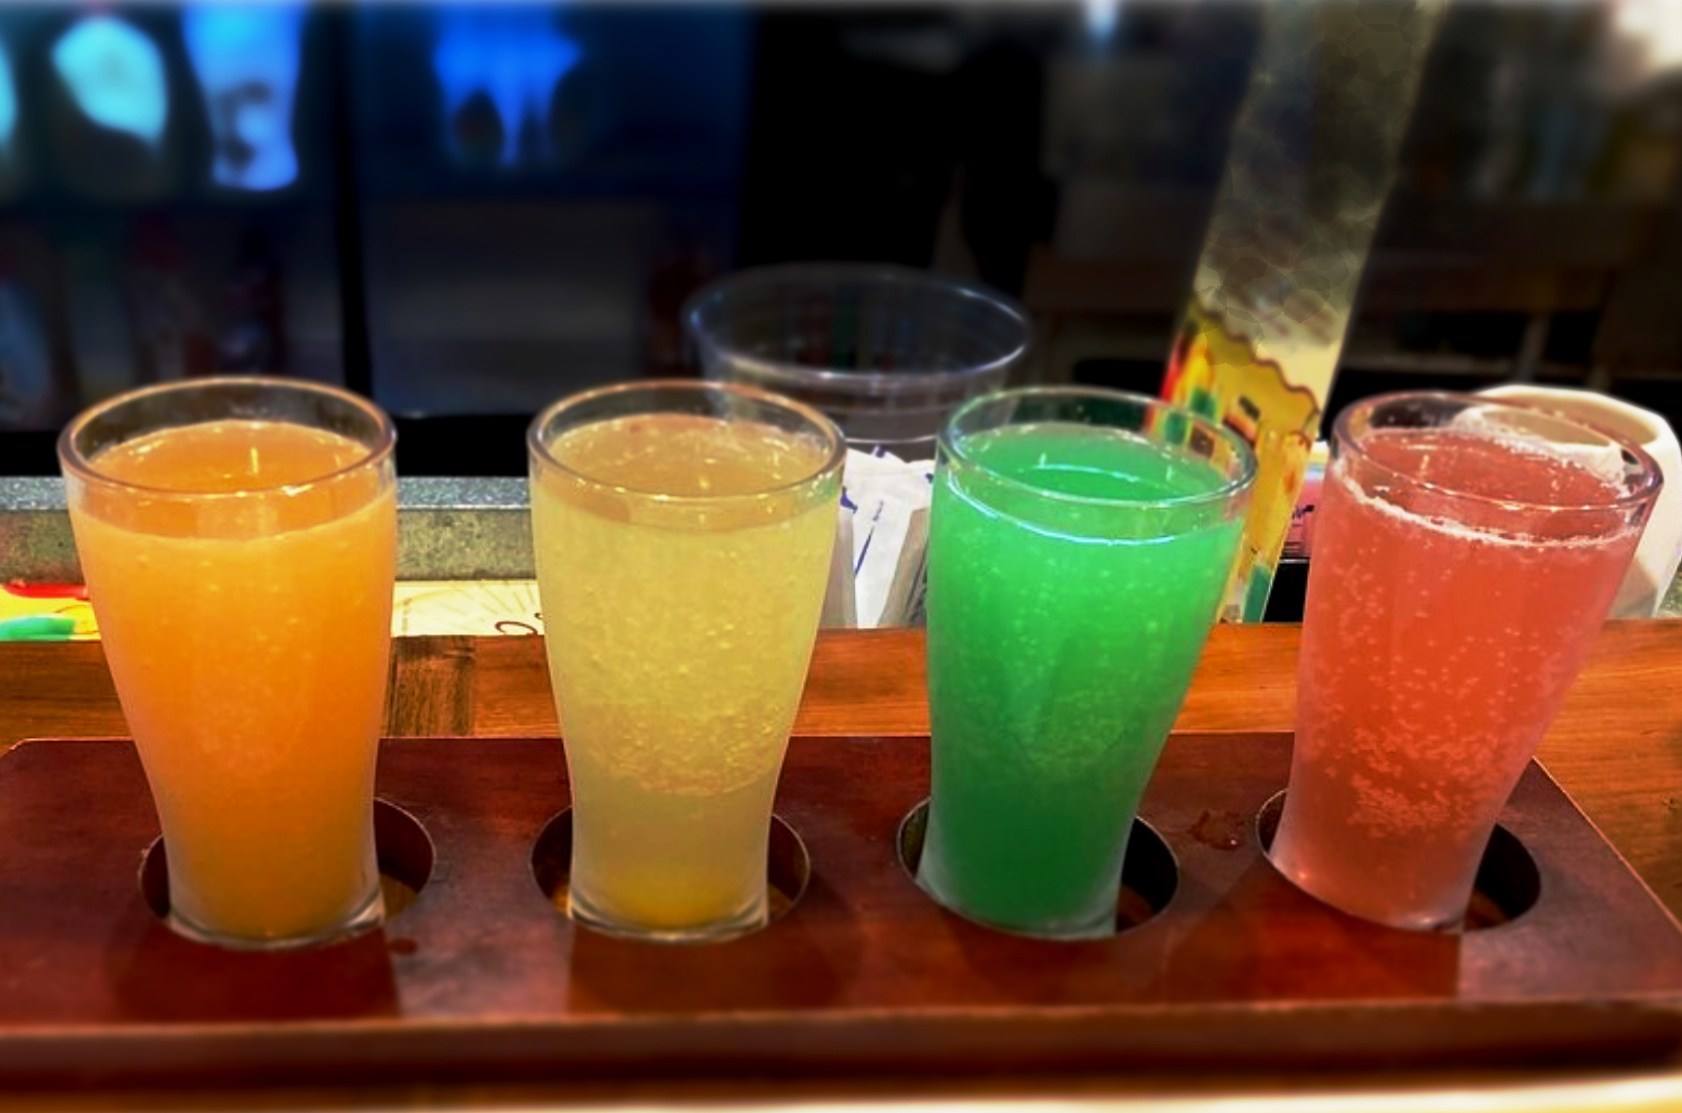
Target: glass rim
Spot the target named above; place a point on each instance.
(832, 462)
(887, 273)
(1228, 489)
(74, 461)
(1651, 475)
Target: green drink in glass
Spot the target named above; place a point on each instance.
(1080, 541)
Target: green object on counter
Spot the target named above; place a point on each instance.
(37, 628)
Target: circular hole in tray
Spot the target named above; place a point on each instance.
(1508, 883)
(401, 844)
(1149, 875)
(787, 865)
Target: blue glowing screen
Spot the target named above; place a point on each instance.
(516, 56)
(246, 57)
(115, 75)
(8, 101)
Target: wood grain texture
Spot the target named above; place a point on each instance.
(861, 682)
(481, 977)
(431, 688)
(50, 689)
(1616, 746)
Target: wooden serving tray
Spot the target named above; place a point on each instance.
(481, 977)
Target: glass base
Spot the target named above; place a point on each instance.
(370, 915)
(1104, 929)
(718, 931)
(1277, 849)
(1424, 922)
(1427, 921)
(1099, 928)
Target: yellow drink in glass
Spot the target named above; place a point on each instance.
(683, 534)
(241, 572)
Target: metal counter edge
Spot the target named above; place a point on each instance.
(447, 529)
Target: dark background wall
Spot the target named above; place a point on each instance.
(493, 206)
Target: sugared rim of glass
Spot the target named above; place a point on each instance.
(1650, 480)
(83, 467)
(833, 459)
(804, 375)
(952, 445)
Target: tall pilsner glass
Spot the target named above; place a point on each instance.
(1466, 552)
(1078, 544)
(239, 543)
(683, 533)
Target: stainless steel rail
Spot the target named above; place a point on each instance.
(447, 529)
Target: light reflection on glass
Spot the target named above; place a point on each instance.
(247, 58)
(1654, 27)
(515, 56)
(115, 75)
(8, 102)
(1101, 19)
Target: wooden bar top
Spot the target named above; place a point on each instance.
(1616, 748)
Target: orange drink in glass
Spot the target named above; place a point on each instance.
(238, 540)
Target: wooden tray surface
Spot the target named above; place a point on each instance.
(481, 977)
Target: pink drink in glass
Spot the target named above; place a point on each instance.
(1465, 556)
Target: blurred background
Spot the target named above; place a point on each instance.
(466, 211)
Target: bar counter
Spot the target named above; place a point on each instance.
(1616, 748)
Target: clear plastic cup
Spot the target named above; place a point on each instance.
(886, 352)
